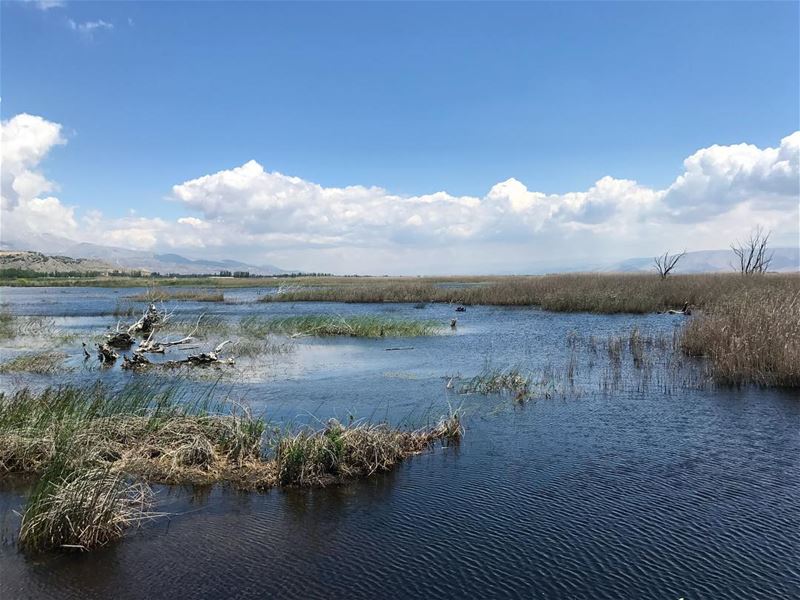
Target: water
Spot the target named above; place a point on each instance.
(639, 489)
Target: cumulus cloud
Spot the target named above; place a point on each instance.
(250, 213)
(26, 139)
(720, 177)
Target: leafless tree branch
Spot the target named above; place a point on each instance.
(666, 263)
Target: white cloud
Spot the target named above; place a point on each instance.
(26, 139)
(47, 4)
(194, 222)
(41, 215)
(250, 213)
(88, 28)
(720, 177)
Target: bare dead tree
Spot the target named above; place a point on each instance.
(753, 255)
(665, 264)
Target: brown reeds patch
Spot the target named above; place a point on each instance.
(581, 292)
(82, 509)
(341, 452)
(750, 338)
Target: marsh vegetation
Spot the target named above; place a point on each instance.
(353, 326)
(96, 451)
(158, 294)
(580, 292)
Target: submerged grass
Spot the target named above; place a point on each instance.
(498, 381)
(7, 329)
(353, 326)
(42, 363)
(518, 384)
(162, 295)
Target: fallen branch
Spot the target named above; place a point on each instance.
(156, 347)
(151, 317)
(139, 362)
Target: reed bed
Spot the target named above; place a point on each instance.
(96, 452)
(353, 326)
(583, 292)
(750, 338)
(346, 452)
(162, 295)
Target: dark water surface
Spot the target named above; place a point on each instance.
(639, 489)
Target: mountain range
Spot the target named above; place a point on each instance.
(130, 260)
(98, 257)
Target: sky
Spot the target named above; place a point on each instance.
(403, 138)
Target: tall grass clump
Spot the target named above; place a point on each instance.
(344, 452)
(139, 430)
(81, 508)
(750, 338)
(354, 326)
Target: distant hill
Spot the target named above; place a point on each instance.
(104, 258)
(132, 260)
(785, 260)
(41, 263)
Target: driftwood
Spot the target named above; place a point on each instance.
(139, 362)
(151, 317)
(106, 353)
(120, 339)
(207, 358)
(135, 362)
(156, 347)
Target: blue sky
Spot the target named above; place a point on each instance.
(414, 98)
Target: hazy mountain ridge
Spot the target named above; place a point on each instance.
(785, 260)
(131, 260)
(42, 263)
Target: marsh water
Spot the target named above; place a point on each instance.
(616, 482)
